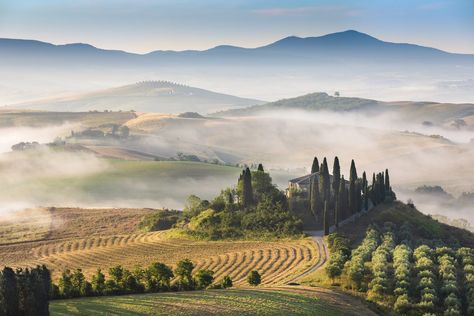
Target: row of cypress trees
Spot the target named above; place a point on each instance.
(25, 292)
(332, 199)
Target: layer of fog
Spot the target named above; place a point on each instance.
(289, 139)
(280, 140)
(14, 135)
(265, 83)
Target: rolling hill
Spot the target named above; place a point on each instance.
(434, 112)
(149, 96)
(349, 61)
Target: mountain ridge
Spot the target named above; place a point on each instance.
(344, 37)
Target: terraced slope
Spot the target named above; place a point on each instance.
(89, 239)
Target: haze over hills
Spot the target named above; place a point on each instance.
(430, 114)
(149, 96)
(351, 62)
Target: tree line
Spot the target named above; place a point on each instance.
(333, 199)
(255, 207)
(25, 292)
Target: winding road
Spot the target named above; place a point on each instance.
(318, 238)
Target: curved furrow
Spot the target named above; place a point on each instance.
(257, 257)
(297, 264)
(283, 266)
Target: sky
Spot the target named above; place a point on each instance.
(145, 25)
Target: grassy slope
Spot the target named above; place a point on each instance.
(128, 184)
(436, 112)
(301, 301)
(423, 226)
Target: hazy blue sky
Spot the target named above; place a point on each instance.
(146, 25)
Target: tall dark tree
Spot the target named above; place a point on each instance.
(260, 167)
(337, 212)
(365, 191)
(315, 165)
(373, 191)
(358, 196)
(325, 163)
(353, 198)
(387, 182)
(315, 199)
(9, 292)
(326, 219)
(341, 200)
(336, 176)
(247, 190)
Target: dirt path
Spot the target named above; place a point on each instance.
(318, 238)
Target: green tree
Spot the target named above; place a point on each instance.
(227, 282)
(9, 292)
(341, 200)
(315, 199)
(353, 199)
(326, 219)
(254, 278)
(247, 198)
(260, 168)
(388, 188)
(336, 176)
(204, 278)
(65, 284)
(161, 273)
(315, 165)
(98, 282)
(184, 270)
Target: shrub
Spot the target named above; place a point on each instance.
(254, 278)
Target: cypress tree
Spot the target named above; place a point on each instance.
(364, 189)
(341, 200)
(315, 165)
(326, 219)
(260, 167)
(9, 292)
(358, 197)
(387, 182)
(347, 211)
(373, 191)
(247, 188)
(337, 211)
(353, 189)
(315, 199)
(336, 176)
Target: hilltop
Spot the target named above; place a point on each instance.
(428, 113)
(146, 96)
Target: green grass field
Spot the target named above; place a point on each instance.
(115, 183)
(300, 301)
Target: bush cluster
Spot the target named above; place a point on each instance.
(339, 247)
(155, 278)
(379, 286)
(466, 261)
(356, 266)
(447, 275)
(402, 256)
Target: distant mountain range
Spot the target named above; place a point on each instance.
(148, 96)
(350, 61)
(349, 44)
